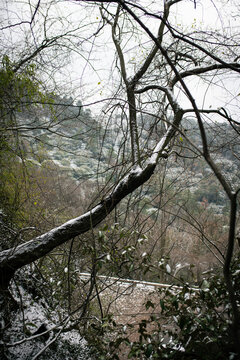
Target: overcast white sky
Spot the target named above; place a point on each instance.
(94, 80)
(208, 14)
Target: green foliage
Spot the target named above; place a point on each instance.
(18, 89)
(199, 323)
(123, 251)
(210, 192)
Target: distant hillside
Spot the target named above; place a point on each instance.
(67, 134)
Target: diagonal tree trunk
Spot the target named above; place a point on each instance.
(14, 258)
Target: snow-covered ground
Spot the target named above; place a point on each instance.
(37, 332)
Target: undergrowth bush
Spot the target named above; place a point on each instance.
(199, 324)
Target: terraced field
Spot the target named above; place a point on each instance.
(125, 299)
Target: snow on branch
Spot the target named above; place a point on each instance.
(14, 258)
(167, 90)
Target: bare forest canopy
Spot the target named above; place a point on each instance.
(119, 150)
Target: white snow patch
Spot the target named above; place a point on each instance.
(74, 338)
(168, 268)
(137, 171)
(73, 166)
(27, 320)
